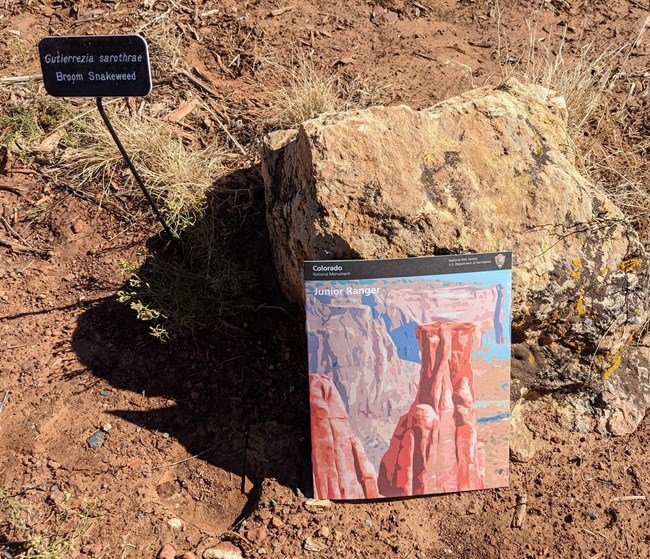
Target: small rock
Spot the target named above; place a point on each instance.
(383, 534)
(166, 552)
(56, 498)
(96, 440)
(69, 277)
(106, 427)
(175, 523)
(223, 550)
(78, 226)
(310, 544)
(257, 535)
(522, 447)
(276, 522)
(165, 435)
(317, 505)
(265, 515)
(104, 392)
(168, 489)
(53, 464)
(324, 532)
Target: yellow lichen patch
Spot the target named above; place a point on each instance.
(562, 330)
(580, 305)
(629, 264)
(578, 265)
(604, 271)
(531, 358)
(580, 347)
(555, 315)
(616, 363)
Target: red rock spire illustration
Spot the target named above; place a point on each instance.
(434, 447)
(341, 468)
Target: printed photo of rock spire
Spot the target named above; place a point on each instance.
(409, 380)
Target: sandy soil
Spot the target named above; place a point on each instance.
(210, 431)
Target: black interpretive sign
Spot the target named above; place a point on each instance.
(96, 66)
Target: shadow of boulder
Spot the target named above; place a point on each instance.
(238, 395)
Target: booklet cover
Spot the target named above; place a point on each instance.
(409, 374)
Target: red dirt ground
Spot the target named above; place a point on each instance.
(212, 429)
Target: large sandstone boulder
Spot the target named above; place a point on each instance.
(490, 170)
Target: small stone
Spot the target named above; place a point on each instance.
(310, 544)
(265, 515)
(56, 498)
(175, 523)
(104, 392)
(368, 523)
(165, 435)
(261, 551)
(383, 534)
(53, 464)
(96, 440)
(166, 552)
(324, 532)
(168, 489)
(276, 522)
(317, 505)
(78, 226)
(106, 427)
(223, 550)
(257, 535)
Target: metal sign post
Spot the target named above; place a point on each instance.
(101, 66)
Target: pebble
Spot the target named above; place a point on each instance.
(223, 550)
(165, 435)
(78, 226)
(166, 552)
(276, 522)
(106, 427)
(96, 440)
(56, 498)
(310, 544)
(175, 523)
(324, 532)
(104, 392)
(257, 535)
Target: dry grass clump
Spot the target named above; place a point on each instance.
(596, 87)
(26, 542)
(301, 92)
(27, 122)
(177, 175)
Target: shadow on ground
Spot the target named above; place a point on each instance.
(241, 392)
